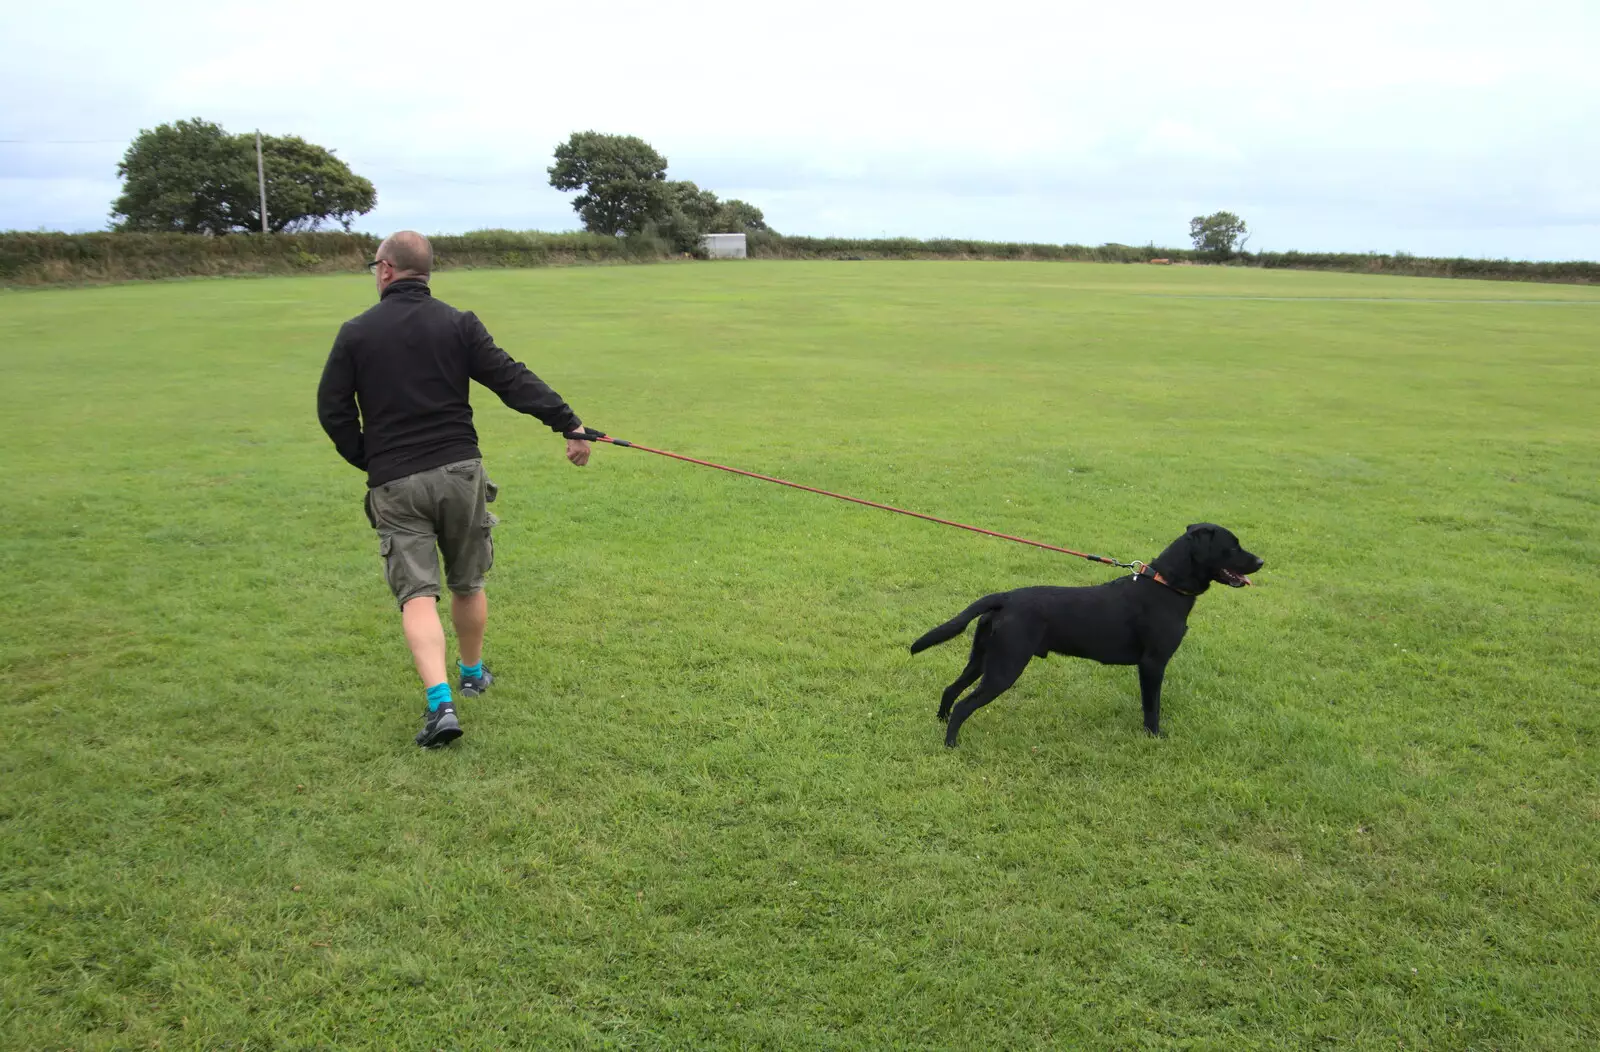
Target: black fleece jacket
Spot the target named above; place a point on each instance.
(393, 395)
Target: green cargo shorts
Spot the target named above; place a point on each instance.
(444, 510)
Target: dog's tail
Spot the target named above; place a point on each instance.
(958, 624)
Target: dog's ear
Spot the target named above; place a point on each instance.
(1194, 526)
(1202, 544)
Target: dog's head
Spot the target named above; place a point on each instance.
(1207, 553)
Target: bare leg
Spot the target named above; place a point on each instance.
(425, 636)
(471, 616)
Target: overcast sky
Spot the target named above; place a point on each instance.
(1440, 128)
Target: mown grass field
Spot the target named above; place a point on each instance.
(708, 805)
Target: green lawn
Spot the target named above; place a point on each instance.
(707, 804)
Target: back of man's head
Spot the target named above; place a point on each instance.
(409, 253)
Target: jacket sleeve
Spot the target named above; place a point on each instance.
(514, 382)
(336, 404)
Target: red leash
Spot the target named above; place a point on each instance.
(591, 435)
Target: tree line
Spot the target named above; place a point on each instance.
(194, 177)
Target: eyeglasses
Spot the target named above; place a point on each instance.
(372, 265)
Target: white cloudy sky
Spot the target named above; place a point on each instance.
(1451, 128)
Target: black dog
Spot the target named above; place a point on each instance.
(1134, 620)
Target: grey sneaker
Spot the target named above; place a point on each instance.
(439, 727)
(472, 686)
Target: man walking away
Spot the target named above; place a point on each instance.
(393, 398)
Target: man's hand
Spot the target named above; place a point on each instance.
(577, 448)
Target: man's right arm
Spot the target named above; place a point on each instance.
(336, 404)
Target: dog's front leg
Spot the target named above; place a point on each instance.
(1151, 672)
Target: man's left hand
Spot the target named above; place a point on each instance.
(577, 448)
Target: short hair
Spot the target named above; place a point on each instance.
(409, 252)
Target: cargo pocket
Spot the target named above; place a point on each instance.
(490, 521)
(386, 551)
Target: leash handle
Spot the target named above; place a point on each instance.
(590, 434)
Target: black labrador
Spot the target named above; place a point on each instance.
(1134, 620)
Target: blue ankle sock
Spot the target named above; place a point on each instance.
(438, 695)
(471, 670)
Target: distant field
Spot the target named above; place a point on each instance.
(708, 804)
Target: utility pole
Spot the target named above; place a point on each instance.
(261, 180)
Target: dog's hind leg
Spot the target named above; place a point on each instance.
(970, 674)
(1003, 663)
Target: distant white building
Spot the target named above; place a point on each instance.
(724, 246)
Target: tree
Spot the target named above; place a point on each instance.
(1218, 233)
(192, 176)
(306, 184)
(687, 215)
(736, 216)
(622, 178)
(700, 207)
(185, 176)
